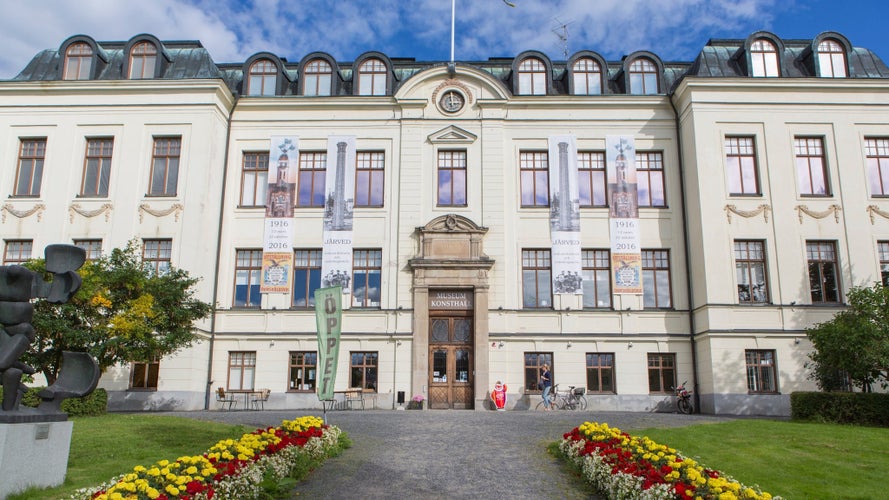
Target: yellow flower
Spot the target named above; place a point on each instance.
(152, 493)
(172, 490)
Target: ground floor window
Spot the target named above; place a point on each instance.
(363, 370)
(144, 375)
(302, 370)
(534, 362)
(661, 372)
(241, 369)
(600, 372)
(761, 371)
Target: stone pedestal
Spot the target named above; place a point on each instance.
(33, 454)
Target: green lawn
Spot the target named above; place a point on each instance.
(791, 459)
(106, 446)
(794, 460)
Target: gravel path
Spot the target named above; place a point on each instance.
(448, 453)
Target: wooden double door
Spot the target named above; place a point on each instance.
(451, 364)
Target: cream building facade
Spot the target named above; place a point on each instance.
(761, 204)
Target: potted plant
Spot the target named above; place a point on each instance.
(416, 402)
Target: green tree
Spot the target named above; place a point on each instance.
(124, 311)
(854, 344)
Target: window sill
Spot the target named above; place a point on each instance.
(142, 389)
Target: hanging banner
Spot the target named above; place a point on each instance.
(564, 221)
(626, 253)
(336, 254)
(283, 155)
(277, 249)
(328, 318)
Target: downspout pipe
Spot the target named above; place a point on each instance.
(228, 132)
(688, 279)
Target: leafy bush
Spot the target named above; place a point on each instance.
(860, 408)
(90, 405)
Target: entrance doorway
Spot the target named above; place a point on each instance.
(450, 362)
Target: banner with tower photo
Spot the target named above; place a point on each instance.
(626, 253)
(564, 221)
(339, 199)
(277, 249)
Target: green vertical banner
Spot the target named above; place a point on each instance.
(328, 316)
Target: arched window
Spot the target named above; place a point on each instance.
(316, 80)
(78, 61)
(532, 77)
(263, 78)
(372, 77)
(764, 58)
(831, 59)
(643, 77)
(587, 77)
(143, 60)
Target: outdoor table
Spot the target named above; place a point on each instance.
(247, 394)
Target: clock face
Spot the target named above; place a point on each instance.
(452, 101)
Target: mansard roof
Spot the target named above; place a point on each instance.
(719, 58)
(187, 59)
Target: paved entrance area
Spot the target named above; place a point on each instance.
(449, 453)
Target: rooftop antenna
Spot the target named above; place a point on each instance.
(560, 29)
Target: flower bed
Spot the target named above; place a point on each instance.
(622, 466)
(231, 469)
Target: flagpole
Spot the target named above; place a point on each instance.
(453, 15)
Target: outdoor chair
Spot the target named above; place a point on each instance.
(259, 398)
(354, 395)
(224, 399)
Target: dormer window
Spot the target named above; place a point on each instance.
(316, 80)
(78, 61)
(831, 59)
(587, 77)
(263, 78)
(532, 77)
(372, 77)
(764, 59)
(143, 60)
(643, 77)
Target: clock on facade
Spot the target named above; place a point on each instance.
(452, 101)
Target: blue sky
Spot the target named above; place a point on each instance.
(233, 30)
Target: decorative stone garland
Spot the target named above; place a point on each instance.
(175, 208)
(104, 209)
(21, 214)
(762, 209)
(833, 209)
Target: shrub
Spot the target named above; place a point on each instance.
(860, 408)
(91, 405)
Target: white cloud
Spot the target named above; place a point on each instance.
(233, 30)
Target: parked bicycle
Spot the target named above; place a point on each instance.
(572, 399)
(683, 398)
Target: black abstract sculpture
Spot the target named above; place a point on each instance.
(79, 373)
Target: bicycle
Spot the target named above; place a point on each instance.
(683, 398)
(572, 399)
